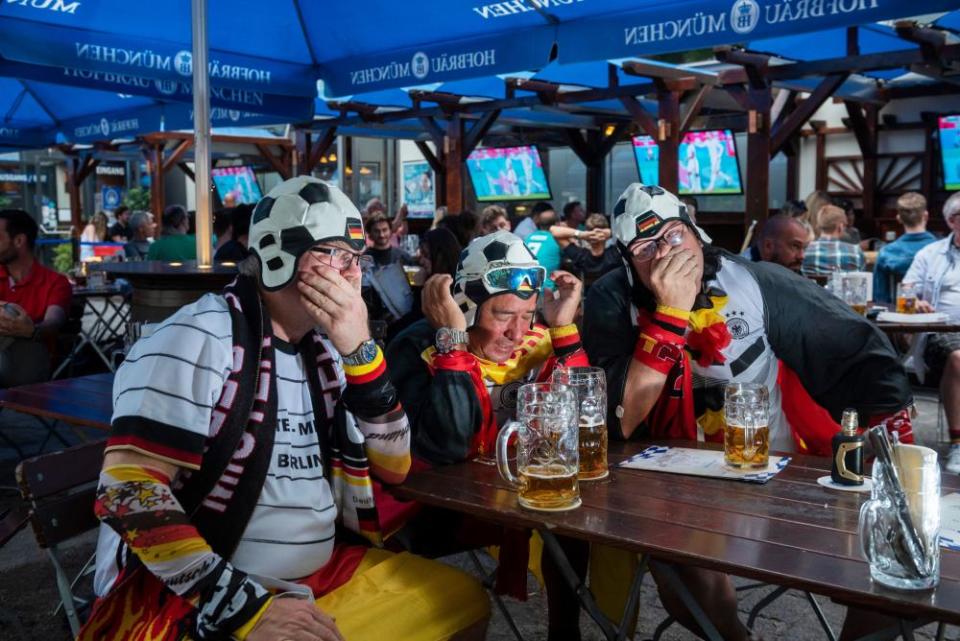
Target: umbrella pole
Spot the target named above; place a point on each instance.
(201, 129)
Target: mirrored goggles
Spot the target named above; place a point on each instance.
(517, 279)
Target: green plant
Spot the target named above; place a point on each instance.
(137, 199)
(63, 257)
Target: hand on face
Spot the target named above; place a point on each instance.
(438, 305)
(334, 302)
(561, 309)
(675, 278)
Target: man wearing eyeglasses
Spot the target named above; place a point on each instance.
(458, 372)
(681, 319)
(251, 431)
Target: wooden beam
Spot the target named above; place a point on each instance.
(651, 69)
(931, 41)
(668, 139)
(174, 156)
(758, 157)
(755, 65)
(453, 159)
(640, 116)
(804, 111)
(429, 156)
(858, 124)
(433, 130)
(478, 131)
(693, 107)
(279, 163)
(320, 148)
(439, 97)
(580, 147)
(185, 168)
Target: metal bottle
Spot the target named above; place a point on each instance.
(847, 467)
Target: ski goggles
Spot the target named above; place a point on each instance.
(516, 279)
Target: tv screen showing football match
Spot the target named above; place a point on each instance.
(508, 173)
(236, 185)
(950, 151)
(707, 162)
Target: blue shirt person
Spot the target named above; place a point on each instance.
(544, 246)
(894, 259)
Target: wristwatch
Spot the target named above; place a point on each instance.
(363, 355)
(447, 338)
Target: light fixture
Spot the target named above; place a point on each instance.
(228, 263)
(323, 160)
(364, 171)
(520, 208)
(175, 264)
(348, 171)
(608, 131)
(333, 157)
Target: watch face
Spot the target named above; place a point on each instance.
(368, 351)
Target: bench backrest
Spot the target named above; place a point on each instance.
(60, 488)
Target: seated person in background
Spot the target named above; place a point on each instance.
(439, 254)
(121, 231)
(936, 272)
(493, 218)
(35, 303)
(850, 232)
(596, 259)
(528, 224)
(781, 240)
(573, 218)
(457, 371)
(174, 243)
(794, 209)
(142, 226)
(681, 319)
(894, 258)
(222, 227)
(828, 254)
(235, 248)
(692, 207)
(463, 225)
(225, 518)
(544, 246)
(382, 252)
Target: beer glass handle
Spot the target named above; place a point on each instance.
(503, 463)
(868, 518)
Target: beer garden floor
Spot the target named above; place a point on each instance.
(28, 591)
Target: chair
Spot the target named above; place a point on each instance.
(59, 491)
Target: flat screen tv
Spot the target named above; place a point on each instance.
(508, 173)
(236, 185)
(707, 162)
(950, 151)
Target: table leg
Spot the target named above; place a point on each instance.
(706, 626)
(587, 601)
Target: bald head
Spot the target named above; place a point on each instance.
(782, 241)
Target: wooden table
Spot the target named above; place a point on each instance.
(790, 531)
(86, 401)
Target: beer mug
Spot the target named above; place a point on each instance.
(907, 298)
(590, 384)
(894, 562)
(746, 430)
(547, 454)
(854, 290)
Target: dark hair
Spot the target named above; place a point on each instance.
(20, 222)
(222, 221)
(373, 220)
(794, 208)
(241, 220)
(173, 216)
(463, 226)
(540, 207)
(120, 211)
(443, 249)
(569, 207)
(690, 200)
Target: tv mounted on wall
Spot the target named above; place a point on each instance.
(236, 185)
(707, 162)
(508, 173)
(949, 129)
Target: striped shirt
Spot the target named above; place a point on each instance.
(174, 378)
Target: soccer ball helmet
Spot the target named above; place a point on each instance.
(293, 217)
(498, 263)
(643, 210)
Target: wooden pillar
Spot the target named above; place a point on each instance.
(758, 156)
(453, 164)
(155, 167)
(871, 116)
(821, 177)
(595, 187)
(77, 171)
(668, 138)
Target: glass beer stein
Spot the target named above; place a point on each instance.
(547, 452)
(590, 384)
(746, 430)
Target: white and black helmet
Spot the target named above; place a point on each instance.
(296, 215)
(642, 211)
(498, 263)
